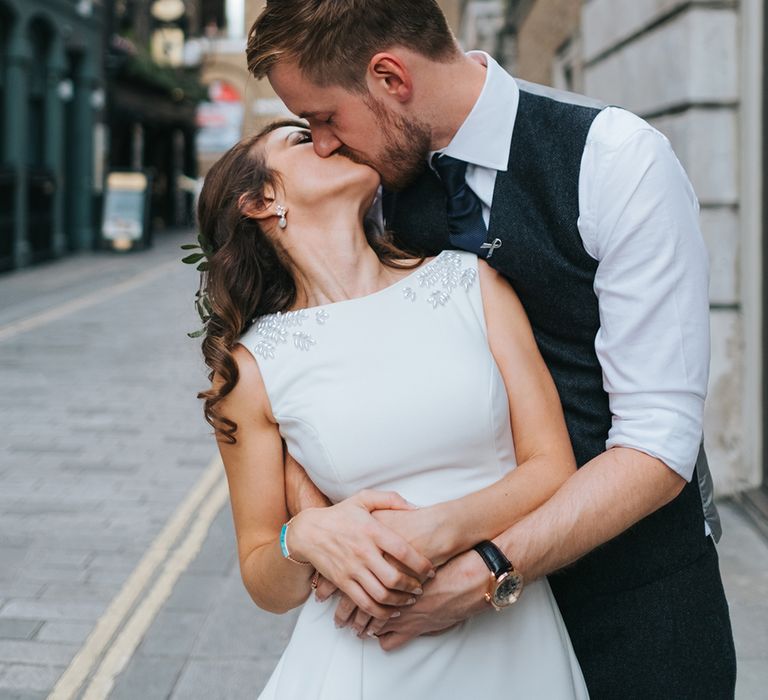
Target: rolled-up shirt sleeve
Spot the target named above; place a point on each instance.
(640, 221)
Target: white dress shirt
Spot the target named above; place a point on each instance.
(639, 220)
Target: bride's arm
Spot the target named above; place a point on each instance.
(542, 446)
(343, 542)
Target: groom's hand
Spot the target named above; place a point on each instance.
(455, 594)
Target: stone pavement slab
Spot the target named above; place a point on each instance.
(11, 628)
(149, 677)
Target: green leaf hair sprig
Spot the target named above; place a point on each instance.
(200, 259)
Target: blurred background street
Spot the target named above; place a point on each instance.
(118, 572)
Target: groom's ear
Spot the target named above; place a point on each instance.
(389, 75)
(257, 206)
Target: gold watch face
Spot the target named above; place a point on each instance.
(507, 590)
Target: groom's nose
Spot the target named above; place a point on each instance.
(325, 142)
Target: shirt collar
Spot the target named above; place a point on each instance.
(485, 137)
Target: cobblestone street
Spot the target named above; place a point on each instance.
(118, 571)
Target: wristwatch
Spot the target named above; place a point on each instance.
(506, 583)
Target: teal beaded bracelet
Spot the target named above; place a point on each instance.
(284, 544)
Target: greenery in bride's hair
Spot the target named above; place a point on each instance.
(200, 259)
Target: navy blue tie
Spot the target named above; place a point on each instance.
(465, 212)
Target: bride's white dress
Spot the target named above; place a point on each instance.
(398, 391)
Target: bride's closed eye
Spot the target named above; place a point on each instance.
(302, 137)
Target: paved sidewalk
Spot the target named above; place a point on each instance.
(102, 438)
(744, 565)
(118, 571)
(210, 641)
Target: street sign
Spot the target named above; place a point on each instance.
(126, 211)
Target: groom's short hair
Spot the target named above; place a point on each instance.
(332, 41)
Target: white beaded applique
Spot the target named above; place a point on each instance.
(438, 298)
(272, 330)
(265, 348)
(303, 341)
(444, 272)
(468, 278)
(444, 269)
(322, 316)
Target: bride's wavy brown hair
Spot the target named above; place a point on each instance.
(249, 274)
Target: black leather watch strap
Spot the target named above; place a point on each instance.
(493, 557)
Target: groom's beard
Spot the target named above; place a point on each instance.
(405, 152)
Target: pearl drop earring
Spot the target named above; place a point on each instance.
(281, 212)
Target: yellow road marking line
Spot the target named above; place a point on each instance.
(105, 628)
(57, 312)
(130, 636)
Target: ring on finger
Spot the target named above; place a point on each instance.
(315, 580)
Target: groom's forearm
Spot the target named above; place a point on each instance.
(300, 491)
(605, 497)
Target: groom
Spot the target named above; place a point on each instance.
(588, 213)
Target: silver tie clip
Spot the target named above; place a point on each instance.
(490, 247)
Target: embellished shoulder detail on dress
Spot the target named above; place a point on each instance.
(273, 330)
(434, 282)
(442, 275)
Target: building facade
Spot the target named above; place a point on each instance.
(238, 103)
(89, 86)
(696, 71)
(152, 98)
(51, 101)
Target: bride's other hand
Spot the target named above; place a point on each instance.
(456, 593)
(347, 545)
(348, 614)
(324, 588)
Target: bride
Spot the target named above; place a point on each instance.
(413, 394)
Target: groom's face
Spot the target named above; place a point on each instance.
(357, 126)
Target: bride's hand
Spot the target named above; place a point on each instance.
(424, 528)
(347, 613)
(347, 545)
(428, 529)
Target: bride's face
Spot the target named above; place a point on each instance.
(310, 180)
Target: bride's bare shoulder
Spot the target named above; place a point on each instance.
(493, 284)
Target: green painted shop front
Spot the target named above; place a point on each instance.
(50, 94)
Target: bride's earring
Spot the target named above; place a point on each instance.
(281, 211)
